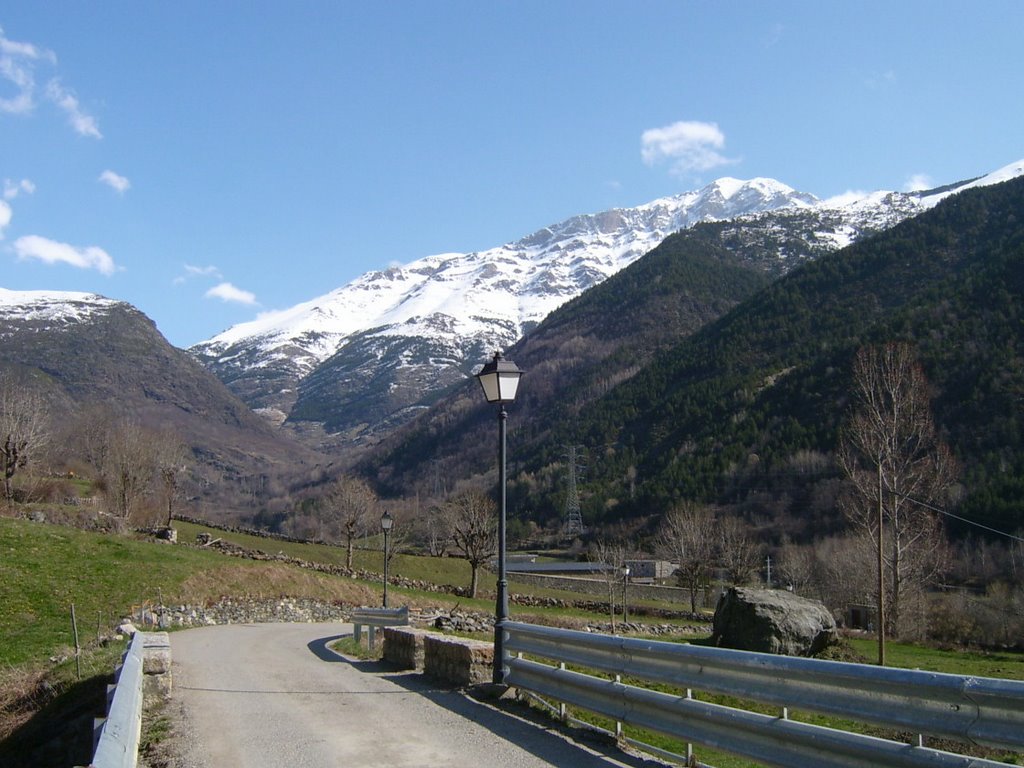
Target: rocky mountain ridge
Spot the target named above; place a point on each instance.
(368, 356)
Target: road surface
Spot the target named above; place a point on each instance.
(269, 695)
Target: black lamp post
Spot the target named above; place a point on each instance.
(386, 521)
(500, 381)
(625, 581)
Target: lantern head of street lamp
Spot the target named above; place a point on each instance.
(386, 521)
(499, 379)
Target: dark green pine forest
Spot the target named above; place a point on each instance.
(693, 375)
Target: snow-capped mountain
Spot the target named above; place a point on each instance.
(369, 353)
(46, 310)
(499, 292)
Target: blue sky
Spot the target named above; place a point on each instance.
(208, 161)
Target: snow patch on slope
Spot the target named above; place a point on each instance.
(52, 306)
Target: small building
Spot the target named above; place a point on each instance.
(649, 571)
(860, 616)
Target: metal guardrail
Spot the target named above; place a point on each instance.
(981, 710)
(377, 617)
(118, 744)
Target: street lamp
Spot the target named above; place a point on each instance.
(500, 380)
(625, 581)
(386, 521)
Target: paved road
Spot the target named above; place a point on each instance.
(272, 695)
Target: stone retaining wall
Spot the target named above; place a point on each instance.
(404, 647)
(238, 611)
(458, 660)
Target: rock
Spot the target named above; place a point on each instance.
(127, 629)
(772, 621)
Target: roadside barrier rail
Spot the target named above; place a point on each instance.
(118, 743)
(372, 618)
(984, 711)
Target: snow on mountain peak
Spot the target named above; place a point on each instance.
(1007, 172)
(514, 285)
(465, 302)
(492, 296)
(60, 306)
(12, 298)
(769, 189)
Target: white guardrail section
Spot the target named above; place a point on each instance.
(373, 618)
(118, 745)
(984, 711)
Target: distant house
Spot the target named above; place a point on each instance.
(649, 571)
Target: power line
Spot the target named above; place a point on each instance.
(964, 519)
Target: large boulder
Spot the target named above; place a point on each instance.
(772, 621)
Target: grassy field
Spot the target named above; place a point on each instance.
(436, 570)
(44, 569)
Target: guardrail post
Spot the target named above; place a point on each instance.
(371, 636)
(563, 711)
(618, 725)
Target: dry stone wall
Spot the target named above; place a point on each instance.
(238, 611)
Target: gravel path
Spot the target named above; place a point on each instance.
(273, 695)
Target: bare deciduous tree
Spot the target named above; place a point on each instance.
(171, 458)
(24, 431)
(435, 533)
(796, 566)
(688, 537)
(473, 521)
(842, 579)
(613, 556)
(129, 468)
(737, 551)
(348, 509)
(896, 467)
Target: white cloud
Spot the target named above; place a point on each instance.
(5, 216)
(115, 181)
(33, 247)
(918, 183)
(687, 146)
(210, 271)
(193, 271)
(17, 67)
(229, 293)
(83, 123)
(14, 188)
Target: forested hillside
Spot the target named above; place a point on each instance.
(112, 366)
(575, 357)
(746, 412)
(670, 403)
